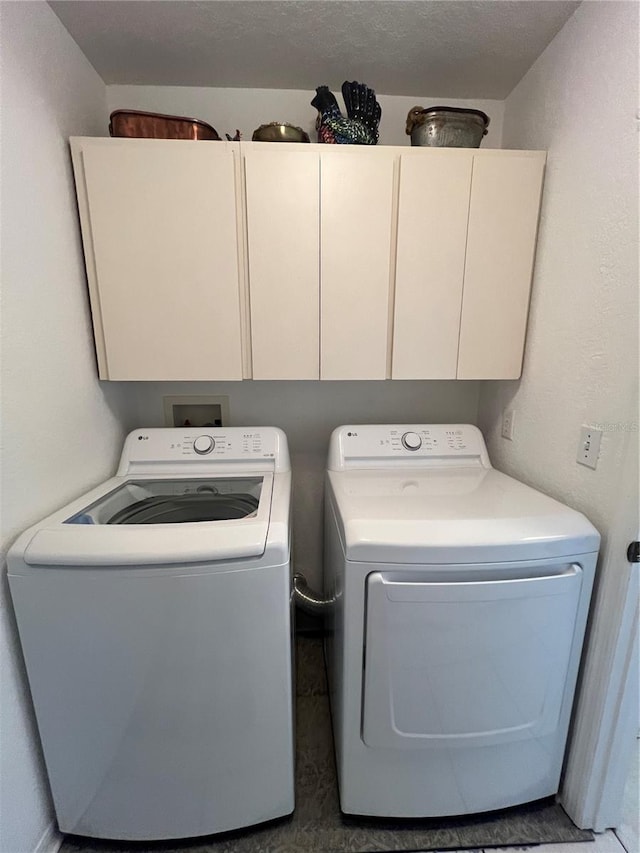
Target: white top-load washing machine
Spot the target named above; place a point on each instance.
(154, 615)
(460, 598)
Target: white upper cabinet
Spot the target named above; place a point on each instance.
(356, 227)
(467, 223)
(503, 222)
(283, 214)
(161, 244)
(432, 229)
(319, 240)
(255, 260)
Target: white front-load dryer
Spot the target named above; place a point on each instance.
(154, 616)
(460, 598)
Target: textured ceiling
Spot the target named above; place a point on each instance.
(452, 48)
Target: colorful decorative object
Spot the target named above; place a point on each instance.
(360, 127)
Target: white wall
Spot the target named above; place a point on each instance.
(247, 109)
(308, 412)
(61, 429)
(580, 101)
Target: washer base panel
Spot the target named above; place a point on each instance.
(163, 698)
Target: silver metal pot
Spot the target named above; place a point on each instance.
(447, 127)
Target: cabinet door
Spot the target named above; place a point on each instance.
(356, 237)
(501, 240)
(283, 236)
(432, 228)
(161, 243)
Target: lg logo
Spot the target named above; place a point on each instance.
(143, 438)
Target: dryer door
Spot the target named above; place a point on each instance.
(467, 664)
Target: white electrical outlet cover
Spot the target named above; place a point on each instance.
(508, 419)
(589, 447)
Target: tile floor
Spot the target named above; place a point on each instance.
(623, 840)
(627, 832)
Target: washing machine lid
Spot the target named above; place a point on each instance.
(452, 515)
(160, 521)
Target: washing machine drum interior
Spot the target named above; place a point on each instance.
(175, 502)
(158, 510)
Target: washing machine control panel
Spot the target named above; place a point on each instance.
(263, 445)
(367, 445)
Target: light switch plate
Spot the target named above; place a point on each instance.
(508, 421)
(589, 447)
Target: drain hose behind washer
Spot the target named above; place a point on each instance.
(308, 600)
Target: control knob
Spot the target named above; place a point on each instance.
(203, 444)
(412, 441)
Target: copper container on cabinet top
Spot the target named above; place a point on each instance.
(140, 125)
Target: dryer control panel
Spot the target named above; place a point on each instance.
(376, 446)
(258, 448)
